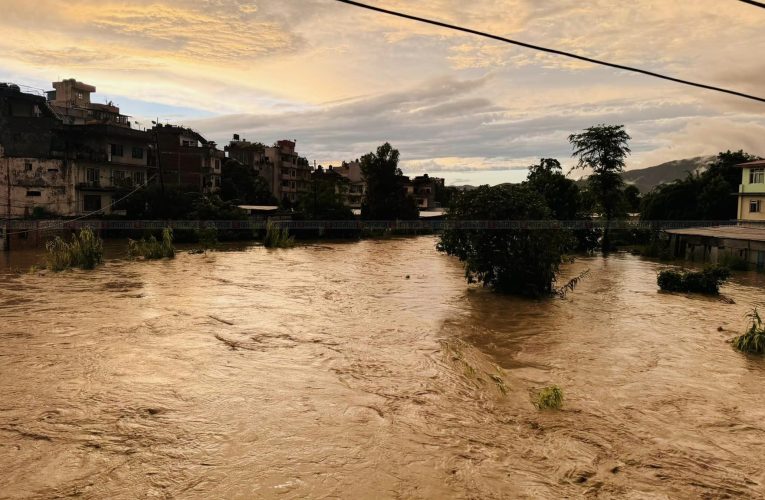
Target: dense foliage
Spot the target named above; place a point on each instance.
(517, 260)
(151, 249)
(386, 197)
(603, 149)
(84, 251)
(707, 281)
(549, 398)
(241, 185)
(325, 200)
(277, 237)
(704, 196)
(564, 199)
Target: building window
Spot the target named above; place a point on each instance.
(92, 202)
(119, 176)
(93, 176)
(117, 150)
(27, 167)
(138, 178)
(755, 206)
(79, 95)
(138, 153)
(757, 176)
(34, 193)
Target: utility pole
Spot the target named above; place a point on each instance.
(158, 155)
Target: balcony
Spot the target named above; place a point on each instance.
(93, 186)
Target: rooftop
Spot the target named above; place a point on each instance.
(750, 233)
(750, 164)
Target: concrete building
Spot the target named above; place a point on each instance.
(357, 186)
(751, 192)
(109, 160)
(34, 173)
(744, 241)
(186, 159)
(291, 171)
(424, 190)
(66, 170)
(253, 155)
(71, 100)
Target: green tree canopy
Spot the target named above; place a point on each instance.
(325, 200)
(603, 149)
(240, 183)
(386, 197)
(522, 261)
(705, 196)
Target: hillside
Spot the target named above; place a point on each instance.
(648, 178)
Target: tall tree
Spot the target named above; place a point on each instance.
(386, 197)
(240, 183)
(603, 149)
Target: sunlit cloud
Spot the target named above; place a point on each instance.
(342, 80)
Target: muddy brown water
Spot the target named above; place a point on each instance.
(322, 371)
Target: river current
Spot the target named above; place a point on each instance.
(371, 370)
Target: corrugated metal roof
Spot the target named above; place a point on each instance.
(750, 233)
(750, 164)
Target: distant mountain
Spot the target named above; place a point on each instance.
(648, 178)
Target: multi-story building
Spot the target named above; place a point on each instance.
(253, 155)
(357, 186)
(34, 172)
(291, 171)
(63, 169)
(109, 160)
(71, 100)
(424, 190)
(751, 192)
(186, 159)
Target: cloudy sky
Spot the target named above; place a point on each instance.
(341, 80)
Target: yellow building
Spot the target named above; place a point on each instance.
(751, 192)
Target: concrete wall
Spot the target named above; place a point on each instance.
(36, 182)
(745, 214)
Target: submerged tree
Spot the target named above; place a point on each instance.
(603, 149)
(521, 258)
(564, 199)
(386, 196)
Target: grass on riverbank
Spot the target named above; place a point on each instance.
(278, 237)
(549, 398)
(707, 281)
(152, 249)
(753, 341)
(85, 251)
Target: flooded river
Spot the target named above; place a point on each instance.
(370, 370)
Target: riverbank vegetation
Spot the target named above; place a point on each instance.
(707, 281)
(151, 248)
(753, 341)
(549, 398)
(84, 251)
(278, 237)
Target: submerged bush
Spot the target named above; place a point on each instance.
(753, 341)
(152, 249)
(549, 398)
(707, 281)
(277, 237)
(208, 238)
(84, 251)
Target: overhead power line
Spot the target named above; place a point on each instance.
(552, 51)
(752, 2)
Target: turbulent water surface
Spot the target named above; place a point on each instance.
(368, 370)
